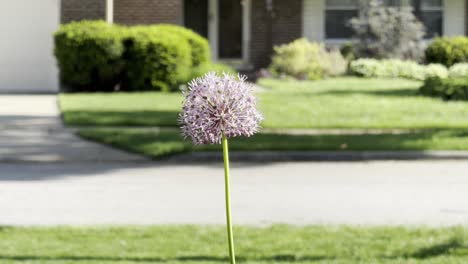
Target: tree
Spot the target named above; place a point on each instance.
(387, 32)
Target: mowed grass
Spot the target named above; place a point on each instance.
(340, 103)
(166, 142)
(333, 103)
(208, 244)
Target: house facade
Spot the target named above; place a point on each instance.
(241, 32)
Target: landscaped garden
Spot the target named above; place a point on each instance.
(346, 113)
(376, 93)
(206, 244)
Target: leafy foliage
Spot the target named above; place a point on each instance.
(95, 56)
(459, 70)
(200, 47)
(302, 59)
(447, 89)
(89, 55)
(156, 59)
(387, 32)
(448, 50)
(396, 68)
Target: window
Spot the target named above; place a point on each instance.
(430, 12)
(339, 12)
(337, 15)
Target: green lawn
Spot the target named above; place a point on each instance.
(157, 144)
(339, 103)
(333, 103)
(207, 244)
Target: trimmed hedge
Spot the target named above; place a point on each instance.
(448, 50)
(459, 70)
(95, 56)
(200, 47)
(89, 55)
(156, 59)
(396, 68)
(447, 89)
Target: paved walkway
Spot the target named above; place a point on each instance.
(31, 131)
(380, 192)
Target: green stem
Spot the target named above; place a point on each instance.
(228, 200)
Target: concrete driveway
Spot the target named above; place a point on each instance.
(31, 131)
(383, 192)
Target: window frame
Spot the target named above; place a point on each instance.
(402, 3)
(336, 8)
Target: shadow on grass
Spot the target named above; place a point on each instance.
(121, 118)
(169, 142)
(274, 258)
(440, 249)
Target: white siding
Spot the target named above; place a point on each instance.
(26, 49)
(454, 17)
(313, 20)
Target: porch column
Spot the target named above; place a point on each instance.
(110, 11)
(466, 17)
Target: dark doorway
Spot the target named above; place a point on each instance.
(196, 16)
(230, 29)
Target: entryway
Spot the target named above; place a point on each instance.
(226, 24)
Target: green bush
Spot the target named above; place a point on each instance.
(396, 68)
(89, 55)
(447, 89)
(436, 70)
(459, 70)
(156, 59)
(95, 56)
(200, 47)
(348, 51)
(448, 50)
(204, 68)
(306, 60)
(335, 64)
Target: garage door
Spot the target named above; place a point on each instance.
(26, 46)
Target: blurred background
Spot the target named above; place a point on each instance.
(361, 157)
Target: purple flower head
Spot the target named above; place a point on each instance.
(219, 104)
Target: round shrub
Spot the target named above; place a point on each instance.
(302, 59)
(89, 55)
(459, 70)
(200, 47)
(156, 59)
(448, 50)
(447, 89)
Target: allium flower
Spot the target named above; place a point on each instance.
(216, 105)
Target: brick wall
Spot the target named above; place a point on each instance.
(286, 26)
(72, 10)
(132, 12)
(128, 12)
